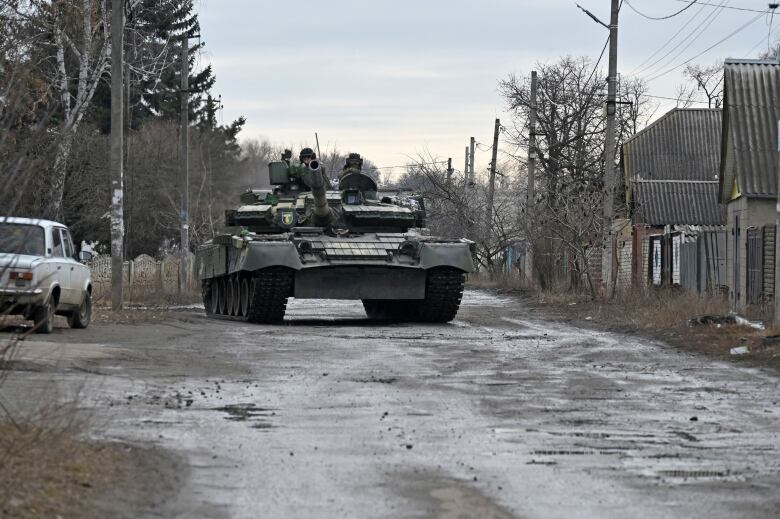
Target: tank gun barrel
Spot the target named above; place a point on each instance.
(316, 180)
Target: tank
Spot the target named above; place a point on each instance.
(305, 240)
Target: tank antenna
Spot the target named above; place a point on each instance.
(317, 139)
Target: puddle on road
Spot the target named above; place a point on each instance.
(694, 474)
(248, 413)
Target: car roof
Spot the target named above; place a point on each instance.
(30, 221)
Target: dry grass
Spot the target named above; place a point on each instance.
(130, 315)
(48, 470)
(141, 305)
(649, 309)
(501, 281)
(664, 314)
(145, 295)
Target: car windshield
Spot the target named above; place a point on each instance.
(16, 238)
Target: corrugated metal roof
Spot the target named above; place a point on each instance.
(684, 144)
(751, 105)
(678, 202)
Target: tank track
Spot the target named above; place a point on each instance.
(269, 290)
(443, 293)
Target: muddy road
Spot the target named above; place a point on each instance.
(498, 414)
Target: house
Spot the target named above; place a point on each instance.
(675, 232)
(748, 177)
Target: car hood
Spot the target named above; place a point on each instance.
(19, 261)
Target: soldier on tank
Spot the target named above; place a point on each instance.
(354, 164)
(306, 156)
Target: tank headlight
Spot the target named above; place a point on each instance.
(304, 247)
(408, 248)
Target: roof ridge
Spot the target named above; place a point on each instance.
(748, 61)
(673, 181)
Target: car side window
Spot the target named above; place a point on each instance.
(66, 243)
(58, 251)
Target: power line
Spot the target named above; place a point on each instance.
(730, 7)
(660, 17)
(662, 47)
(596, 66)
(410, 165)
(697, 101)
(738, 30)
(692, 36)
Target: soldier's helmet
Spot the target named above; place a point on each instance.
(354, 161)
(307, 153)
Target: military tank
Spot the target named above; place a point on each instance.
(305, 240)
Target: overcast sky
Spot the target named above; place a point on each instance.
(393, 78)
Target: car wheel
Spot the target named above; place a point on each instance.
(44, 318)
(81, 317)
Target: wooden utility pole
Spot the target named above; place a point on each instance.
(449, 169)
(466, 171)
(471, 162)
(184, 267)
(610, 179)
(776, 320)
(116, 148)
(531, 191)
(492, 183)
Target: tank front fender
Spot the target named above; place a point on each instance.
(259, 255)
(457, 255)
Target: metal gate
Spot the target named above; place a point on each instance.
(755, 260)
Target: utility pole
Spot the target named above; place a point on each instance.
(471, 162)
(492, 183)
(116, 148)
(531, 191)
(776, 320)
(466, 171)
(610, 179)
(184, 267)
(449, 169)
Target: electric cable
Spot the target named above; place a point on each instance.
(732, 34)
(660, 17)
(729, 7)
(668, 41)
(692, 36)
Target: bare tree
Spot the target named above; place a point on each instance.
(708, 80)
(565, 219)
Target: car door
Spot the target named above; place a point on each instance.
(78, 273)
(60, 266)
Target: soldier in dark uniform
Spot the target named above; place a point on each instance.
(354, 164)
(307, 155)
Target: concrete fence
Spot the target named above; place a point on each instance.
(143, 276)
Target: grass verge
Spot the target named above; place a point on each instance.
(49, 471)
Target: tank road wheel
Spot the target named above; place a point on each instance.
(243, 283)
(215, 289)
(235, 282)
(443, 292)
(207, 294)
(230, 297)
(222, 295)
(269, 290)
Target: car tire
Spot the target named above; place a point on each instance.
(43, 317)
(81, 318)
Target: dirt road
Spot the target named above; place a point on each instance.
(499, 414)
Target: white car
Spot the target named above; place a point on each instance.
(41, 274)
